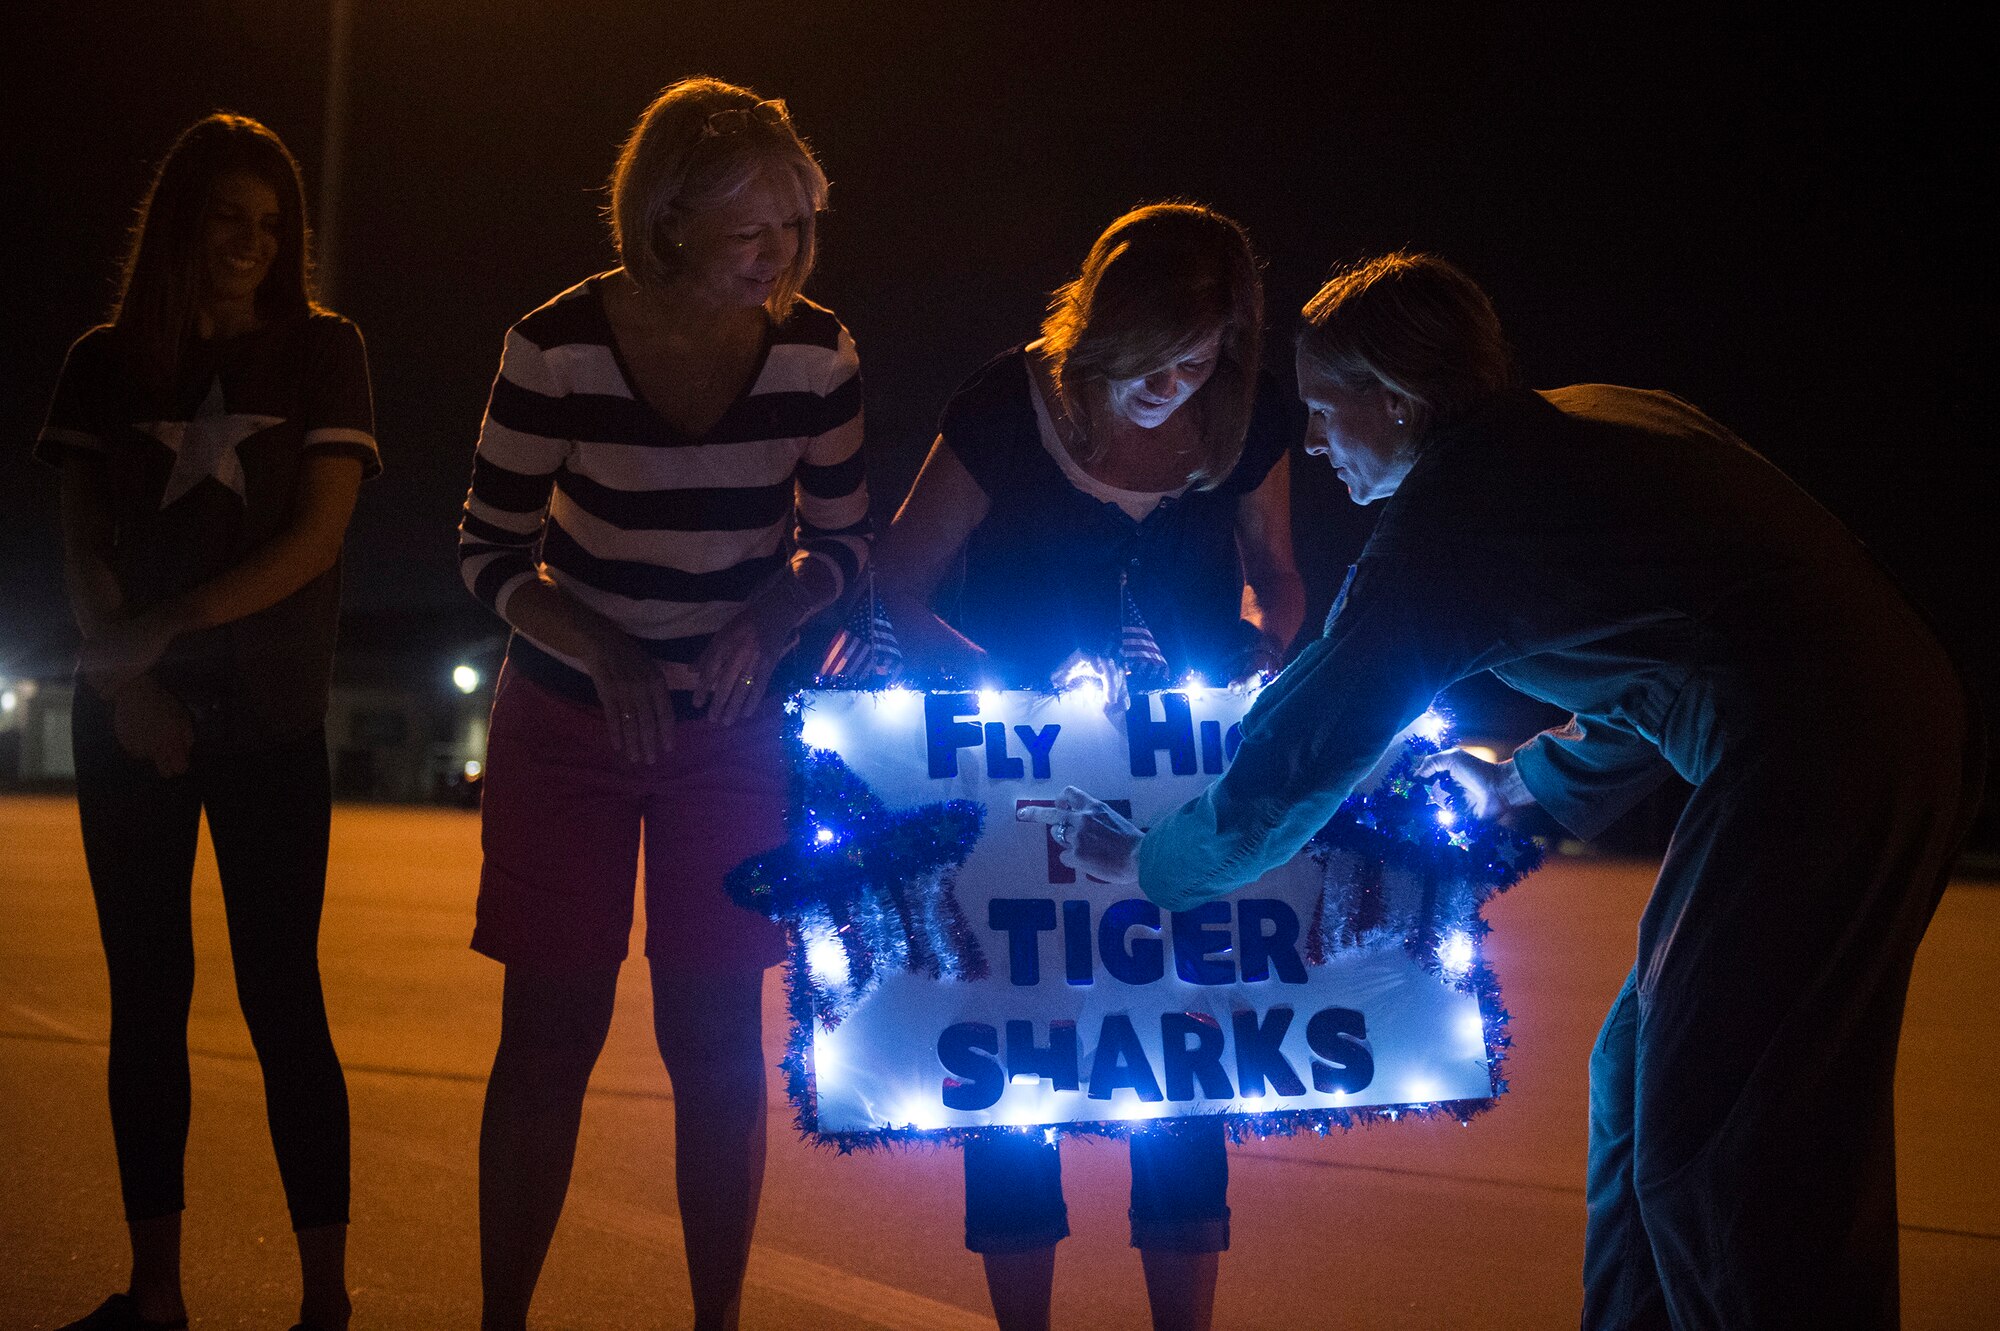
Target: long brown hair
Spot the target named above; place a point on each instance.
(158, 289)
(1160, 280)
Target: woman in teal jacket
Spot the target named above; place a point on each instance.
(1618, 554)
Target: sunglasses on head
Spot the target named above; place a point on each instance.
(736, 119)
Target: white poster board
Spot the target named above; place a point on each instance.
(1098, 1007)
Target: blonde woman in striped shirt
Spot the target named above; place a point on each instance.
(669, 483)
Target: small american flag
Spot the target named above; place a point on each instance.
(1145, 663)
(865, 651)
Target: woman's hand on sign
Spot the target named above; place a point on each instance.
(1491, 788)
(1095, 838)
(1081, 669)
(1256, 666)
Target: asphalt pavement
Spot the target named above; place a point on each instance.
(1410, 1225)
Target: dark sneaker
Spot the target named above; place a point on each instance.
(119, 1313)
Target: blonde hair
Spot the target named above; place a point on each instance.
(673, 166)
(1415, 324)
(1156, 284)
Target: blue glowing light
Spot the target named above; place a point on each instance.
(819, 732)
(920, 1113)
(1083, 674)
(827, 959)
(1454, 953)
(899, 702)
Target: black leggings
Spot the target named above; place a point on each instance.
(268, 816)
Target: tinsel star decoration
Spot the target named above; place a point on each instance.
(1411, 859)
(871, 879)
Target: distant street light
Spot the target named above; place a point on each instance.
(466, 678)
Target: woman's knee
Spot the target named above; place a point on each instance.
(555, 1020)
(711, 1025)
(151, 990)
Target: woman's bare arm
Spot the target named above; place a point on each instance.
(304, 548)
(938, 516)
(94, 595)
(1274, 596)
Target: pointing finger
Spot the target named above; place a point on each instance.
(1074, 798)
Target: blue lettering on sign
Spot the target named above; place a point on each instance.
(1340, 1036)
(945, 734)
(1187, 1064)
(1077, 966)
(1023, 920)
(969, 1051)
(1057, 1062)
(1260, 949)
(1038, 743)
(1174, 732)
(1132, 960)
(1192, 1047)
(1200, 934)
(1001, 765)
(1121, 1062)
(1263, 943)
(1211, 746)
(948, 727)
(1258, 1057)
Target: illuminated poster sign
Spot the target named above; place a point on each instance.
(1096, 1006)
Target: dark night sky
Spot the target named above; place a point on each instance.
(1776, 222)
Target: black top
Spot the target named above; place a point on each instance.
(202, 476)
(1041, 572)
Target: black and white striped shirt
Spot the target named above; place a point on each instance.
(664, 533)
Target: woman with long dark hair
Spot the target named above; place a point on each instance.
(668, 484)
(212, 438)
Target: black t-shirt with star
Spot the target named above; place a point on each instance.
(199, 478)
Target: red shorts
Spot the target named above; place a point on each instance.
(560, 820)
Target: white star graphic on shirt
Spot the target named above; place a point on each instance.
(206, 445)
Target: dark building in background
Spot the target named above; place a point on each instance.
(406, 722)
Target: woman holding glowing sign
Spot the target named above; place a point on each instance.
(1617, 553)
(1119, 496)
